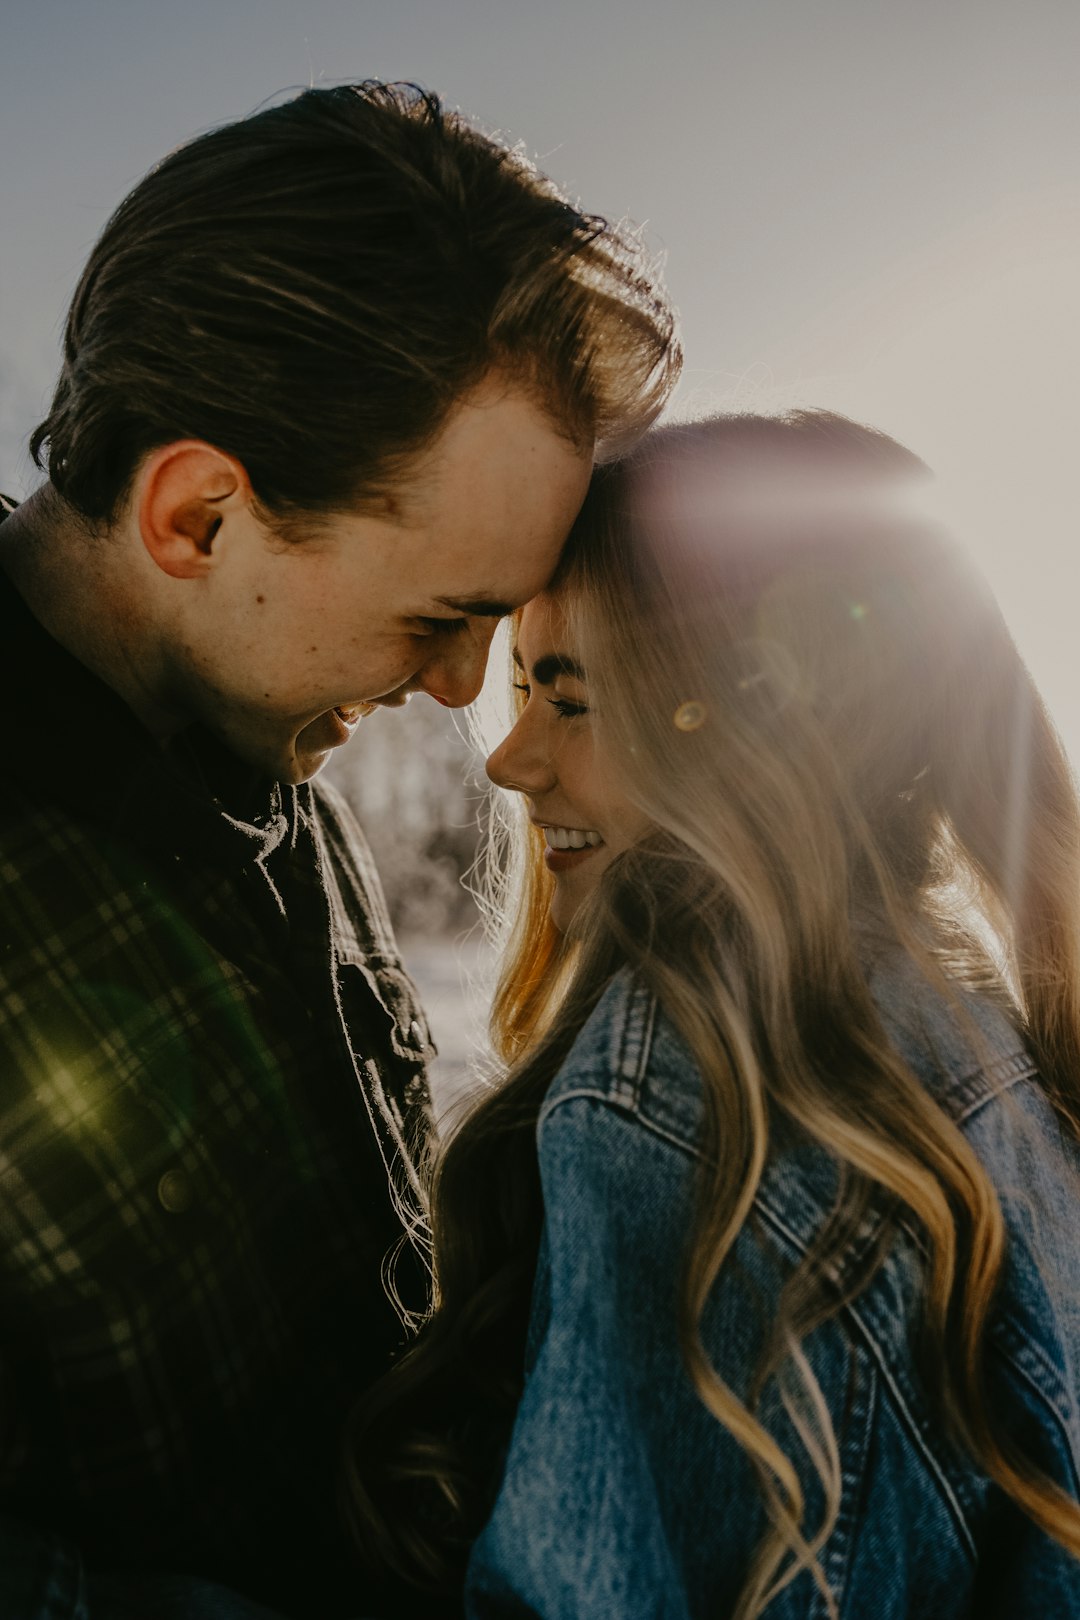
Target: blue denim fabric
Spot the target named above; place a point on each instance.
(622, 1499)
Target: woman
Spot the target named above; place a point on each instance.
(758, 1282)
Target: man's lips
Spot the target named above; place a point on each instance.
(353, 712)
(334, 726)
(343, 718)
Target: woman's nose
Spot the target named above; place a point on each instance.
(520, 763)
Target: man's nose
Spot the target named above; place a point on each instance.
(455, 671)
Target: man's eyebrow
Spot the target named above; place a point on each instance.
(477, 607)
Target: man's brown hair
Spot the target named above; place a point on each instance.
(311, 289)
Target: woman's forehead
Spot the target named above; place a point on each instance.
(545, 634)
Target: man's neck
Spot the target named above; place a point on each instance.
(78, 584)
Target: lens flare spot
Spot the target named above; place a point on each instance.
(690, 716)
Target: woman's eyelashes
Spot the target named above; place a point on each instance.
(566, 708)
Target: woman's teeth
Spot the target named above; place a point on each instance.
(570, 838)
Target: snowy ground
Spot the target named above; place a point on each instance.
(454, 979)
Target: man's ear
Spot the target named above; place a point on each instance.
(184, 492)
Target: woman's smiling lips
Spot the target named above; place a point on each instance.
(567, 847)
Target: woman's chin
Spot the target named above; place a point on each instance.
(567, 902)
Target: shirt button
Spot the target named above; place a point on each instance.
(416, 1036)
(174, 1192)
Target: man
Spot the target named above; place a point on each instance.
(332, 383)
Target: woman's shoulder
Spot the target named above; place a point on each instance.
(630, 1056)
(964, 1047)
(630, 1072)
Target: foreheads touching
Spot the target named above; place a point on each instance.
(754, 626)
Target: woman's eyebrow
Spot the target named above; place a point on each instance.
(551, 666)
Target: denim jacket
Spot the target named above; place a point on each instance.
(623, 1499)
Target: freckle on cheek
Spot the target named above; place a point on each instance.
(260, 600)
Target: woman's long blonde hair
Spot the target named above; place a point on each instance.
(814, 699)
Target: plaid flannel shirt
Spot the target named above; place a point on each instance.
(212, 1100)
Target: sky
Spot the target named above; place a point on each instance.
(872, 205)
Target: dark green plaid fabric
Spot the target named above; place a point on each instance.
(212, 1100)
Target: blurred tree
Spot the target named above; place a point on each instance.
(412, 779)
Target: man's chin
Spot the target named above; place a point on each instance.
(290, 762)
(302, 759)
(275, 753)
(292, 772)
(312, 746)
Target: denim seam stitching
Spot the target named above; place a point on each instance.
(621, 1110)
(1017, 1364)
(1027, 1355)
(647, 1007)
(934, 1467)
(620, 1034)
(632, 1045)
(1023, 1069)
(836, 1562)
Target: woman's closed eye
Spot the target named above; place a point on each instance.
(566, 708)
